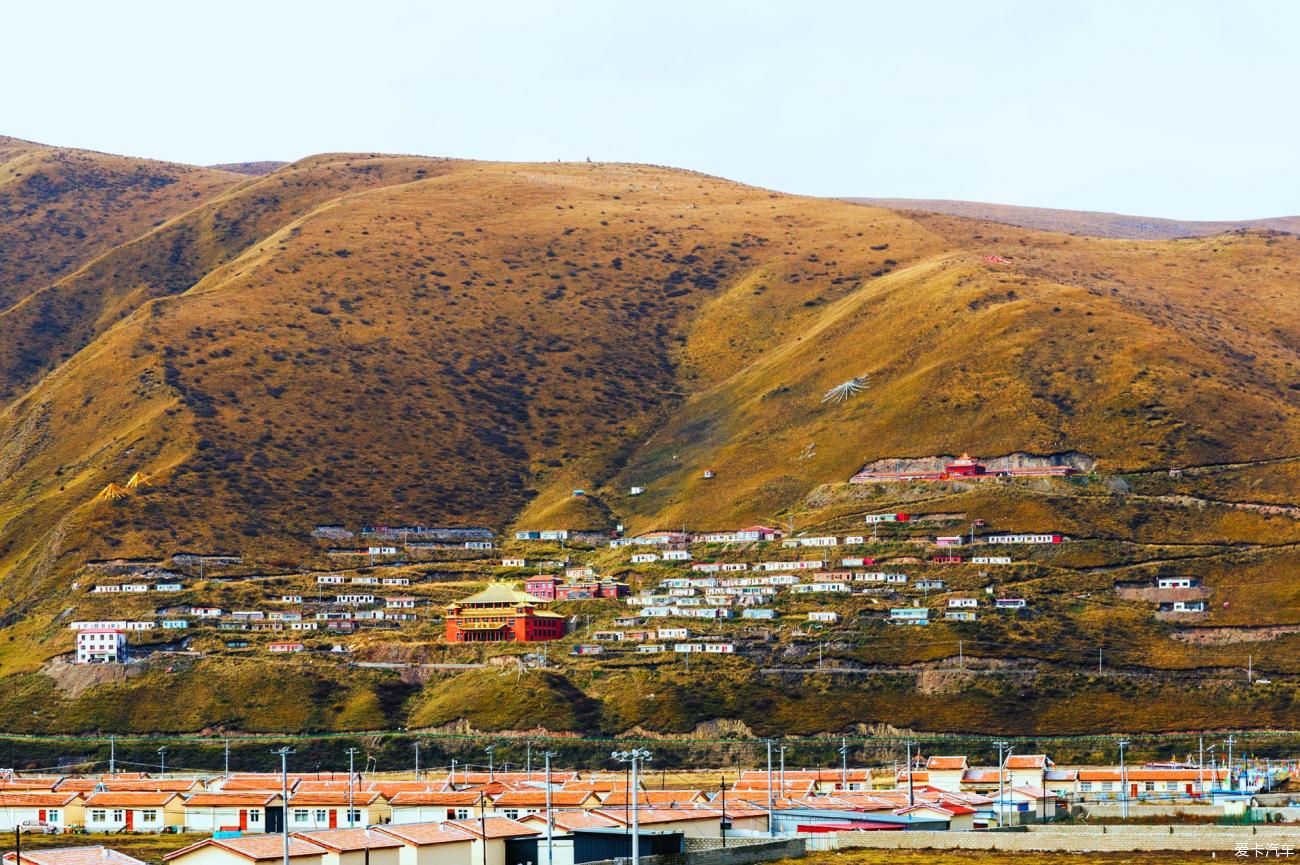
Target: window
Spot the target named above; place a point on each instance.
(300, 815)
(1171, 785)
(254, 816)
(52, 817)
(1085, 786)
(97, 816)
(148, 816)
(462, 813)
(1150, 785)
(354, 816)
(511, 813)
(321, 815)
(1107, 785)
(119, 816)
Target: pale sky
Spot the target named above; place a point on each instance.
(1179, 109)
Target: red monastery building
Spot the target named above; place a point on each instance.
(501, 613)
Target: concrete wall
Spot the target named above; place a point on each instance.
(1086, 839)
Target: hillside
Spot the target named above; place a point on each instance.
(1116, 225)
(60, 208)
(363, 339)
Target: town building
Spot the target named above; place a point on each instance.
(501, 613)
(101, 646)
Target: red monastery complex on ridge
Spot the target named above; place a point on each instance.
(964, 467)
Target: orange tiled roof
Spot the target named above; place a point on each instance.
(424, 834)
(131, 799)
(343, 840)
(496, 827)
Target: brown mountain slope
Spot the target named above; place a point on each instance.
(59, 208)
(50, 325)
(471, 346)
(1088, 222)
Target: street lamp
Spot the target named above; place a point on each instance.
(635, 757)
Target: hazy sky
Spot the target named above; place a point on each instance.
(1177, 108)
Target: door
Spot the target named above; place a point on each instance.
(1133, 791)
(1189, 789)
(40, 815)
(130, 819)
(334, 818)
(243, 819)
(274, 819)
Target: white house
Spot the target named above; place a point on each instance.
(31, 807)
(829, 616)
(910, 615)
(963, 603)
(328, 809)
(134, 811)
(242, 811)
(644, 558)
(101, 646)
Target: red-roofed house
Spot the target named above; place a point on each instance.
(57, 810)
(490, 835)
(1027, 770)
(242, 811)
(248, 849)
(328, 809)
(134, 812)
(960, 818)
(515, 804)
(946, 773)
(355, 846)
(435, 805)
(431, 844)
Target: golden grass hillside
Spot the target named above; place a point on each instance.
(60, 208)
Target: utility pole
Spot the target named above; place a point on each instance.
(1123, 780)
(112, 755)
(911, 791)
(351, 754)
(227, 771)
(162, 760)
(1200, 765)
(1099, 660)
(482, 821)
(528, 759)
(961, 655)
(844, 763)
(771, 830)
(722, 785)
(781, 751)
(491, 770)
(1231, 784)
(417, 759)
(1001, 743)
(635, 757)
(1250, 669)
(284, 798)
(550, 812)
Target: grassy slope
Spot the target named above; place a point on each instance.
(60, 208)
(365, 338)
